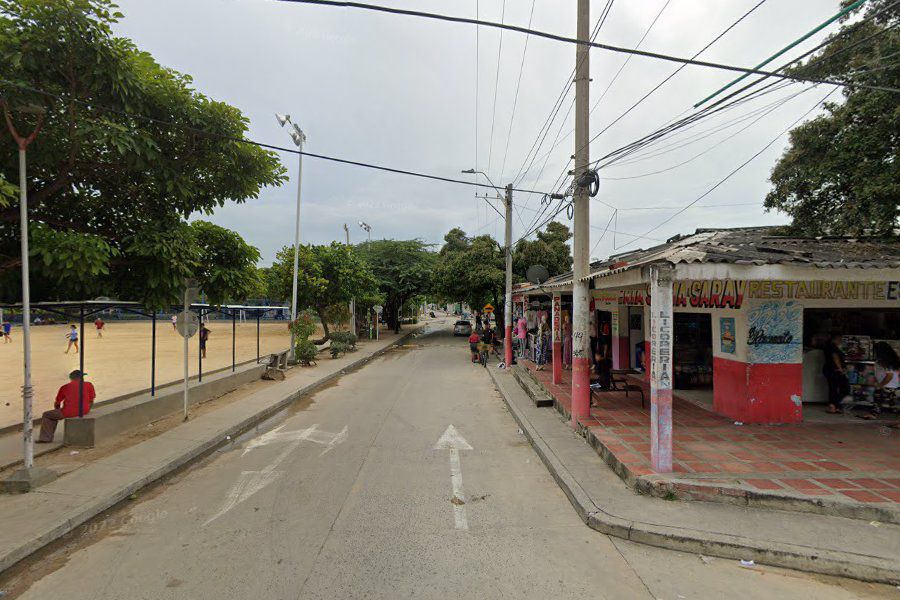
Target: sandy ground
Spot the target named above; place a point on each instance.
(120, 361)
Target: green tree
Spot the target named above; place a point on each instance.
(327, 276)
(121, 161)
(473, 272)
(550, 249)
(402, 270)
(226, 265)
(840, 174)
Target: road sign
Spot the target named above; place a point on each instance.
(488, 308)
(187, 323)
(378, 308)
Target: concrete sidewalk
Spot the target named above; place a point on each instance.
(809, 542)
(34, 520)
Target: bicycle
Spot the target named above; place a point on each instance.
(483, 352)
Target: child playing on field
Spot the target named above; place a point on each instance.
(99, 325)
(72, 336)
(7, 327)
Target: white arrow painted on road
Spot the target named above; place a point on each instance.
(251, 482)
(454, 442)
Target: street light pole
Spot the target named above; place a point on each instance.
(299, 138)
(28, 477)
(368, 229)
(352, 300)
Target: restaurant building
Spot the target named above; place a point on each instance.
(750, 312)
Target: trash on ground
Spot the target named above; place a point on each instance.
(706, 560)
(227, 437)
(748, 563)
(874, 523)
(73, 452)
(738, 423)
(521, 432)
(457, 501)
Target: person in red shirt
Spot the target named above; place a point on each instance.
(66, 405)
(474, 339)
(99, 325)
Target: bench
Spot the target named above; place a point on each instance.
(276, 366)
(619, 383)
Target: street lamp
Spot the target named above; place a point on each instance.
(367, 227)
(29, 476)
(299, 138)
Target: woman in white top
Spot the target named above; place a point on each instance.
(887, 376)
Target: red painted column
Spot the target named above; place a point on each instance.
(556, 328)
(661, 340)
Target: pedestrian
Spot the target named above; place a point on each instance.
(887, 378)
(204, 336)
(99, 325)
(567, 343)
(521, 334)
(174, 323)
(72, 336)
(542, 341)
(474, 339)
(835, 374)
(66, 404)
(7, 328)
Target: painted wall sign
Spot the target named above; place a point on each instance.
(775, 333)
(727, 335)
(557, 318)
(715, 293)
(824, 290)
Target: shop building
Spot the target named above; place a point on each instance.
(749, 314)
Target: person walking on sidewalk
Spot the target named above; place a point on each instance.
(66, 405)
(204, 337)
(835, 374)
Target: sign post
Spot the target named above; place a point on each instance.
(661, 340)
(377, 308)
(187, 324)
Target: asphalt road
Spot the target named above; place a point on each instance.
(347, 497)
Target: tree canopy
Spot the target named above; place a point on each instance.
(327, 276)
(471, 270)
(550, 249)
(402, 271)
(840, 175)
(120, 163)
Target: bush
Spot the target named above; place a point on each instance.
(304, 326)
(306, 352)
(344, 337)
(338, 348)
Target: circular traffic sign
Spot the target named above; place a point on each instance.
(378, 308)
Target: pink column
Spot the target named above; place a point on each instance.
(661, 339)
(556, 315)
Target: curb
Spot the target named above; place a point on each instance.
(661, 486)
(826, 562)
(85, 513)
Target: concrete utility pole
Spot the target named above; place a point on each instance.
(507, 306)
(352, 300)
(662, 337)
(581, 359)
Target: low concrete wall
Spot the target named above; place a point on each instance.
(112, 418)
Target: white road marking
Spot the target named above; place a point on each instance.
(454, 442)
(250, 482)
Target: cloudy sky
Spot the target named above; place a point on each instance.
(401, 91)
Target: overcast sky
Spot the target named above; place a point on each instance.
(401, 91)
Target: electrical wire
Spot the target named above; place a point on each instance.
(219, 136)
(512, 117)
(570, 40)
(496, 87)
(743, 164)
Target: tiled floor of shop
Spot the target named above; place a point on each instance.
(858, 460)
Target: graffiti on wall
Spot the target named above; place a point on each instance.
(775, 333)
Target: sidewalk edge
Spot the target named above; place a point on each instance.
(825, 562)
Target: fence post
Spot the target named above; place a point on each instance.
(153, 357)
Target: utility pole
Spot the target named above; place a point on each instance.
(581, 367)
(507, 306)
(352, 300)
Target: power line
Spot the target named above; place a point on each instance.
(223, 137)
(652, 90)
(742, 165)
(570, 40)
(496, 86)
(516, 96)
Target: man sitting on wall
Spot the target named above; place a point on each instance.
(66, 405)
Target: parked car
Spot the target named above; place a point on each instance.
(462, 328)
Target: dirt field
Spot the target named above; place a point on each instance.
(120, 361)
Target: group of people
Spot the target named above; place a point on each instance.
(886, 371)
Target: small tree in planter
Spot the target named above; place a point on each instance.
(303, 327)
(338, 348)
